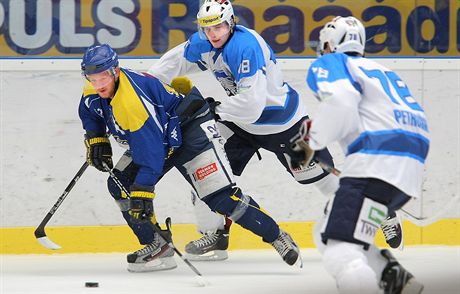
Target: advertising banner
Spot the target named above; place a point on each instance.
(148, 28)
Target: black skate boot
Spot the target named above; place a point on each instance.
(396, 279)
(211, 247)
(287, 248)
(392, 230)
(155, 256)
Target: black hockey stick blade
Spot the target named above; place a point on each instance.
(45, 241)
(40, 233)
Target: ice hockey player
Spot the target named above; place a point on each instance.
(384, 134)
(163, 129)
(261, 110)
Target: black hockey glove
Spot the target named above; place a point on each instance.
(98, 150)
(212, 107)
(298, 149)
(141, 204)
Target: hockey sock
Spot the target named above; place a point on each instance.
(143, 231)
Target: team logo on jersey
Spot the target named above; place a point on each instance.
(202, 172)
(174, 134)
(320, 72)
(227, 81)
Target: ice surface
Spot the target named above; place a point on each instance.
(245, 272)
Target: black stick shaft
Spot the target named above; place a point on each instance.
(40, 231)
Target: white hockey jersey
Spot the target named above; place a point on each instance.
(258, 101)
(370, 111)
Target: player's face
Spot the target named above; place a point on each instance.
(104, 83)
(218, 34)
(327, 50)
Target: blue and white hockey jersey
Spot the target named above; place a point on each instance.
(259, 101)
(370, 111)
(142, 114)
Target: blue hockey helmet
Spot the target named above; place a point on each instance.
(99, 58)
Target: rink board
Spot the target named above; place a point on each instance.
(102, 239)
(86, 221)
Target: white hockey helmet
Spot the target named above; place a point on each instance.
(213, 12)
(343, 34)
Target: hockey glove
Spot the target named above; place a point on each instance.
(212, 107)
(141, 204)
(300, 152)
(98, 150)
(182, 85)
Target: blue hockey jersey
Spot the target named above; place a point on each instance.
(142, 115)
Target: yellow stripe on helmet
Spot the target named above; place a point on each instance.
(209, 20)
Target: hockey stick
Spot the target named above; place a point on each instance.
(418, 220)
(40, 231)
(158, 230)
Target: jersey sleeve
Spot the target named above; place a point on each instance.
(183, 59)
(92, 121)
(337, 115)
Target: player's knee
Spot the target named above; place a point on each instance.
(113, 188)
(119, 197)
(347, 263)
(338, 254)
(230, 202)
(357, 277)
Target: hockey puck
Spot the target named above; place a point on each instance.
(91, 284)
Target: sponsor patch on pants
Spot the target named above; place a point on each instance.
(202, 172)
(372, 214)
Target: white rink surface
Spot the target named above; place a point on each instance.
(256, 271)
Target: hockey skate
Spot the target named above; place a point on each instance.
(396, 279)
(287, 248)
(156, 256)
(211, 247)
(392, 230)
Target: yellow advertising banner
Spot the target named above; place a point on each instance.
(148, 28)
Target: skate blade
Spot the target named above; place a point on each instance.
(159, 264)
(216, 255)
(412, 287)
